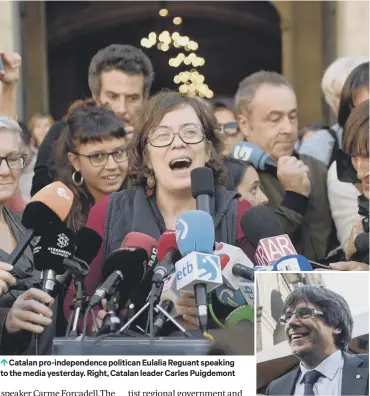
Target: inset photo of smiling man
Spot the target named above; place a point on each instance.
(312, 333)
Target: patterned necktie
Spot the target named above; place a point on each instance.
(309, 379)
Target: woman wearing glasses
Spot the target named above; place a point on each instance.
(91, 157)
(228, 127)
(173, 135)
(18, 311)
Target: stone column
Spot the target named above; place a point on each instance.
(35, 43)
(352, 28)
(302, 50)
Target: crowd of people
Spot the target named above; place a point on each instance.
(127, 157)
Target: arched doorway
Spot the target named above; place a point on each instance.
(235, 39)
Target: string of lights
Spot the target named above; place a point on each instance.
(190, 82)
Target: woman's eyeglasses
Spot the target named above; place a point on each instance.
(100, 159)
(229, 129)
(15, 161)
(300, 313)
(162, 137)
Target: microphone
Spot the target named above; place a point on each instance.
(131, 260)
(271, 249)
(260, 222)
(200, 269)
(202, 187)
(161, 318)
(244, 272)
(230, 297)
(246, 287)
(44, 213)
(292, 263)
(168, 254)
(253, 154)
(262, 228)
(142, 242)
(169, 289)
(107, 289)
(49, 252)
(88, 243)
(234, 263)
(362, 247)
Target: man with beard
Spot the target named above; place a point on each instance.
(318, 327)
(119, 76)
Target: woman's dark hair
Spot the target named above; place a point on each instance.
(358, 78)
(151, 115)
(86, 121)
(222, 105)
(335, 308)
(237, 168)
(355, 140)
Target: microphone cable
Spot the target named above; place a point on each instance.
(209, 336)
(214, 317)
(212, 312)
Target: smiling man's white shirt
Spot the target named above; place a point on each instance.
(330, 382)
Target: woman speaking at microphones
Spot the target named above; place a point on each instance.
(174, 134)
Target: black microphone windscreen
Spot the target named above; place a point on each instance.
(88, 243)
(362, 242)
(260, 222)
(50, 251)
(130, 261)
(39, 217)
(202, 181)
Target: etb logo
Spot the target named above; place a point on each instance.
(198, 268)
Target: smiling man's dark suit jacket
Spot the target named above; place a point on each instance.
(354, 366)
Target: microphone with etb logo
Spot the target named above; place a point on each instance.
(199, 270)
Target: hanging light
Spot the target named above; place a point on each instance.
(163, 12)
(177, 21)
(165, 47)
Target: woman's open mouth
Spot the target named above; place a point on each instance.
(180, 164)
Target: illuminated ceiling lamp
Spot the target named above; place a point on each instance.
(163, 9)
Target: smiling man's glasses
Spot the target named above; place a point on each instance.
(300, 313)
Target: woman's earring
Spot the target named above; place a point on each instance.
(150, 181)
(77, 183)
